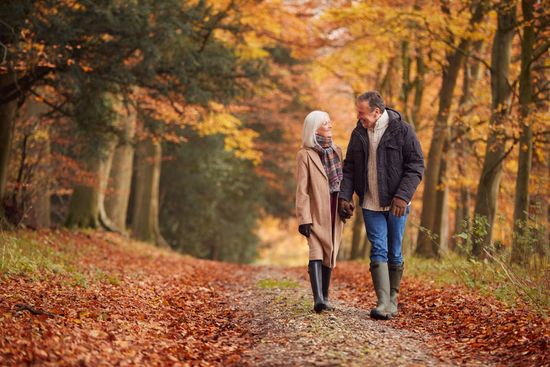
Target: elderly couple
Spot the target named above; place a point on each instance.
(383, 166)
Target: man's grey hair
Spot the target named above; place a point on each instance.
(374, 99)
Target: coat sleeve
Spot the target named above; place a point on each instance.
(303, 209)
(413, 170)
(346, 187)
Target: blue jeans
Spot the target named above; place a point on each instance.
(385, 233)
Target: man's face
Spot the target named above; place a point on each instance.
(367, 116)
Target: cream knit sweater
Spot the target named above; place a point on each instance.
(371, 200)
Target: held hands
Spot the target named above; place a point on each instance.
(345, 209)
(398, 207)
(305, 229)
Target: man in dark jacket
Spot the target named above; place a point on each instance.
(383, 166)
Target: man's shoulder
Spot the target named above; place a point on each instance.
(397, 120)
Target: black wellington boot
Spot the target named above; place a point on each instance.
(315, 274)
(326, 284)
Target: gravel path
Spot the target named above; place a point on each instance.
(289, 333)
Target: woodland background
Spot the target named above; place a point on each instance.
(177, 122)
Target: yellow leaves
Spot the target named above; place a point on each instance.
(236, 138)
(252, 49)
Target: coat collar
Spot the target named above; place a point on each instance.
(317, 160)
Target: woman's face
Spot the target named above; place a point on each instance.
(325, 129)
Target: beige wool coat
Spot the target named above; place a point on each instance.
(313, 206)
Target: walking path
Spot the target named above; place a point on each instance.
(290, 333)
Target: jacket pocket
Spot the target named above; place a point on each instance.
(394, 157)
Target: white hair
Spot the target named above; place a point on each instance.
(312, 122)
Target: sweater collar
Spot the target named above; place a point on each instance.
(382, 121)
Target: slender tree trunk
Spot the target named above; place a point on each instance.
(121, 172)
(521, 204)
(358, 232)
(489, 182)
(386, 84)
(418, 83)
(441, 230)
(7, 114)
(104, 170)
(418, 90)
(471, 75)
(41, 195)
(145, 225)
(426, 246)
(406, 85)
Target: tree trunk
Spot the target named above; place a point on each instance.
(463, 147)
(406, 84)
(386, 88)
(489, 181)
(441, 232)
(7, 114)
(521, 204)
(418, 89)
(41, 195)
(87, 208)
(145, 225)
(41, 172)
(358, 232)
(426, 247)
(105, 169)
(84, 208)
(116, 204)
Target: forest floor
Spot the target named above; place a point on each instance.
(93, 298)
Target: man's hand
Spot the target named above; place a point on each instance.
(305, 229)
(345, 209)
(398, 207)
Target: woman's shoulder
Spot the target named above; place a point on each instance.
(302, 154)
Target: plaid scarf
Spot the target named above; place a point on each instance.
(331, 162)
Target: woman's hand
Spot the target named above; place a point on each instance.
(305, 229)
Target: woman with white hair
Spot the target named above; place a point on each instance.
(318, 177)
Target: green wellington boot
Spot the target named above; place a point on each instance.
(315, 274)
(381, 282)
(396, 272)
(326, 284)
